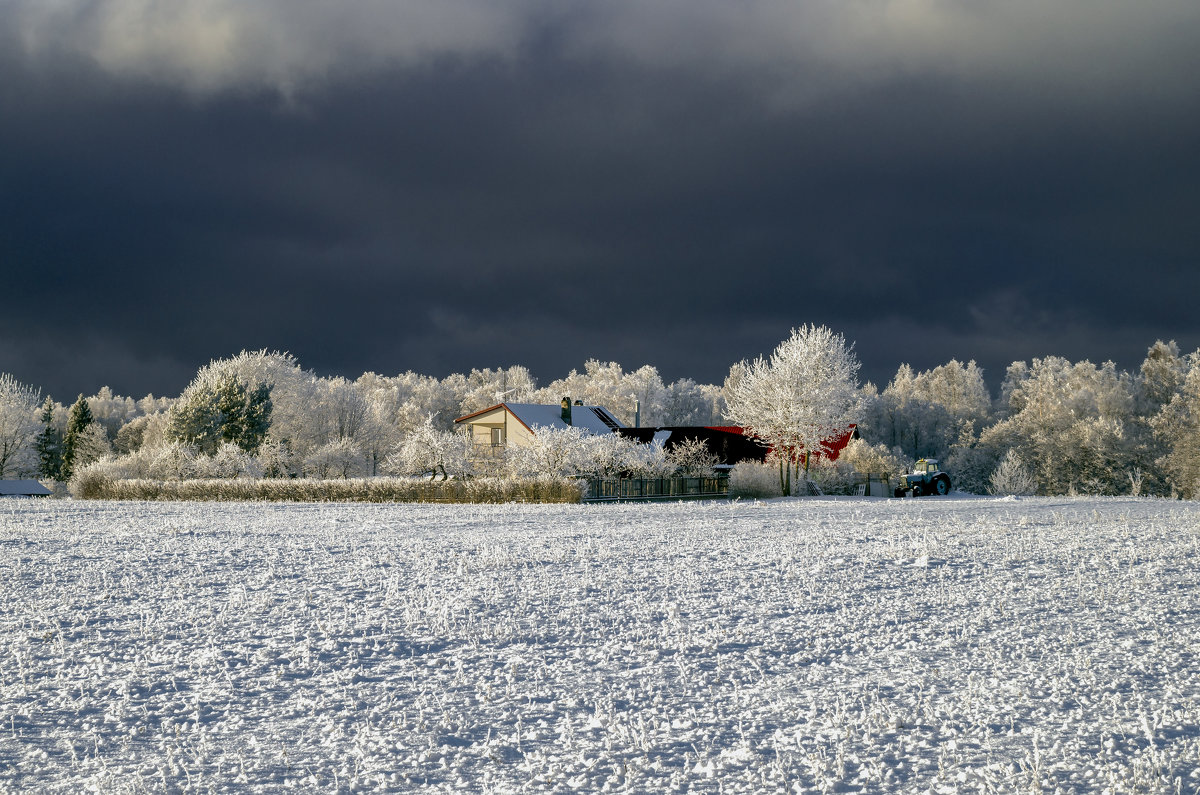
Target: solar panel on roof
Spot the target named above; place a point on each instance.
(606, 418)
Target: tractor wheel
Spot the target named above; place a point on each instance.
(898, 494)
(942, 485)
(918, 490)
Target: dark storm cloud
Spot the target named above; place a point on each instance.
(440, 186)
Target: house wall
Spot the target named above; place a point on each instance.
(513, 432)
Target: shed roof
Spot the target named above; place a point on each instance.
(23, 488)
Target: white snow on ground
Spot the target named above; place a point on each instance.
(816, 645)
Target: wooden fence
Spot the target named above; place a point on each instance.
(673, 488)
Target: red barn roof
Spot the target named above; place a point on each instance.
(833, 447)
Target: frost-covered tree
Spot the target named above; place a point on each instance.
(276, 459)
(485, 388)
(1161, 377)
(601, 383)
(132, 435)
(417, 397)
(651, 461)
(715, 397)
(1177, 426)
(1012, 478)
(607, 384)
(926, 413)
(341, 410)
(430, 450)
(195, 419)
(800, 399)
(613, 455)
(646, 390)
(174, 461)
(693, 459)
(371, 412)
(293, 394)
(971, 464)
(1073, 426)
(230, 462)
(687, 403)
(609, 454)
(874, 459)
(551, 451)
(339, 458)
(18, 426)
(153, 431)
(738, 372)
(154, 405)
(380, 431)
(111, 410)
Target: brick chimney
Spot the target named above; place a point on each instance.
(566, 410)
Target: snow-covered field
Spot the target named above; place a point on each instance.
(840, 645)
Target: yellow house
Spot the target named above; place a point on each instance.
(494, 428)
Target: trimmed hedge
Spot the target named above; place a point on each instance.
(93, 486)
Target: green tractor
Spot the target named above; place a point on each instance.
(926, 478)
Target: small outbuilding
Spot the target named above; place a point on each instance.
(23, 488)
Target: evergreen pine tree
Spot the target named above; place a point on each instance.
(78, 419)
(224, 411)
(49, 445)
(196, 420)
(256, 420)
(244, 413)
(231, 408)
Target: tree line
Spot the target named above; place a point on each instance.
(1056, 426)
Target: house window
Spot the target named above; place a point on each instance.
(497, 437)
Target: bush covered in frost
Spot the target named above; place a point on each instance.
(875, 459)
(971, 468)
(93, 482)
(751, 479)
(1012, 478)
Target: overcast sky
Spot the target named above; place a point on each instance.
(438, 185)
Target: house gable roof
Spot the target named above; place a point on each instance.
(593, 419)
